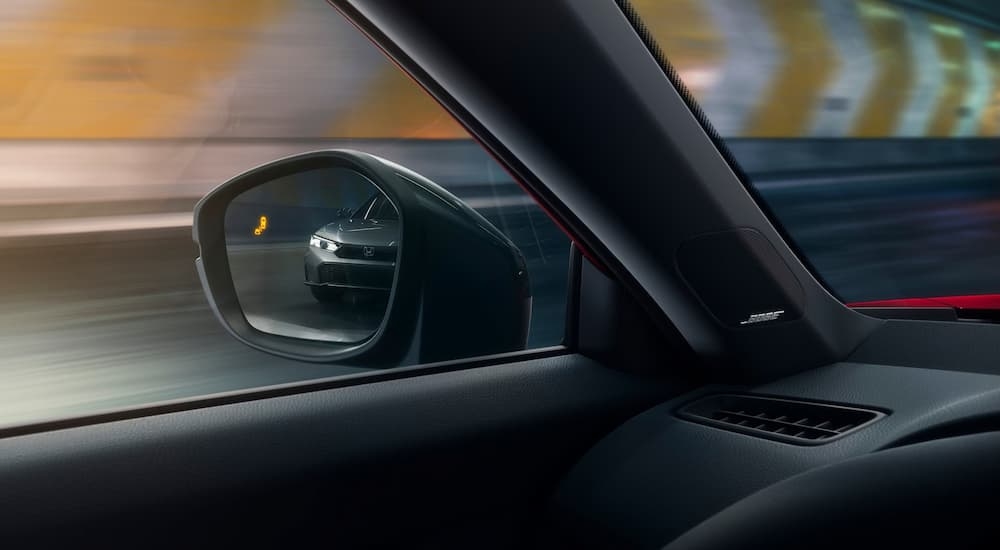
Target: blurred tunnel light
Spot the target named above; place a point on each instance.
(946, 30)
(699, 78)
(876, 11)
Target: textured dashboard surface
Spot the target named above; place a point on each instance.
(935, 494)
(657, 475)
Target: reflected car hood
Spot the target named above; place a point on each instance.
(362, 232)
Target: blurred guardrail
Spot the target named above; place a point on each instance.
(66, 187)
(73, 187)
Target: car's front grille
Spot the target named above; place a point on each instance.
(358, 252)
(357, 275)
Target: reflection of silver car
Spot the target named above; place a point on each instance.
(355, 253)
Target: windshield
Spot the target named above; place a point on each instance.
(365, 209)
(867, 127)
(376, 208)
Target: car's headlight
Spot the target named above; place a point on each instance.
(325, 244)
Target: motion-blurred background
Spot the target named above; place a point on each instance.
(866, 125)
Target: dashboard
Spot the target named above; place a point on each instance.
(660, 474)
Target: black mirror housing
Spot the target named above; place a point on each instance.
(461, 287)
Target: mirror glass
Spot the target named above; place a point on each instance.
(313, 255)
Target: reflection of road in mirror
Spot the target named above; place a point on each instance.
(269, 284)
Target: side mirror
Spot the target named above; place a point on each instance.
(415, 276)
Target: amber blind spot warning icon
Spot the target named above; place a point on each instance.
(261, 226)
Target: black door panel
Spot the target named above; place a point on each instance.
(472, 452)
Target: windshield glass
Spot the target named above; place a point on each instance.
(376, 208)
(867, 127)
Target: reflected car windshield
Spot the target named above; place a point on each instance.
(365, 210)
(386, 211)
(376, 208)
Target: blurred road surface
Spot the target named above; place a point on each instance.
(896, 234)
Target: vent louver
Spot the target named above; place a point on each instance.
(791, 421)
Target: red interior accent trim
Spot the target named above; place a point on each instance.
(974, 301)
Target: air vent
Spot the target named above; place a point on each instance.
(800, 422)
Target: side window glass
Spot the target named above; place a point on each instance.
(116, 118)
